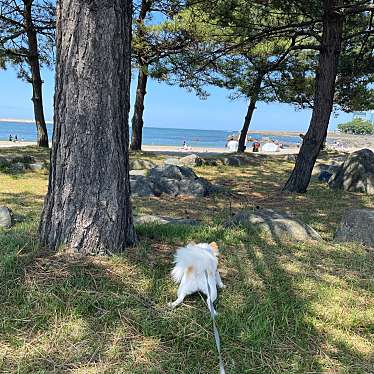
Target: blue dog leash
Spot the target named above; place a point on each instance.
(215, 330)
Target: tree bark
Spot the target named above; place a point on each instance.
(249, 115)
(36, 80)
(87, 207)
(141, 90)
(333, 23)
(137, 119)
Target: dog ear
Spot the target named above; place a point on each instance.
(214, 246)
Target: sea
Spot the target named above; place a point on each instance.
(152, 135)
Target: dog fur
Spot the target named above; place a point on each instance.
(193, 264)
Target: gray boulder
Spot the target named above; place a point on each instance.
(15, 157)
(324, 176)
(171, 180)
(279, 225)
(357, 226)
(211, 162)
(178, 180)
(240, 159)
(5, 217)
(4, 162)
(143, 219)
(356, 174)
(330, 168)
(168, 186)
(194, 187)
(142, 186)
(191, 160)
(138, 164)
(138, 172)
(35, 166)
(232, 161)
(290, 157)
(172, 161)
(17, 166)
(172, 172)
(17, 162)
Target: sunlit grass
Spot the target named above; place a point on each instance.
(287, 308)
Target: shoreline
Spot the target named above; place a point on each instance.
(166, 149)
(203, 151)
(22, 121)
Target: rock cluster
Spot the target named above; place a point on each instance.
(357, 226)
(17, 163)
(356, 174)
(148, 218)
(172, 180)
(280, 225)
(5, 217)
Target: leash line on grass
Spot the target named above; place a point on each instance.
(215, 330)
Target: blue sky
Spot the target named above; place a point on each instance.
(168, 106)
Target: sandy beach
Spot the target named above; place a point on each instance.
(336, 141)
(164, 149)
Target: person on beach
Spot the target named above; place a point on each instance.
(256, 146)
(232, 144)
(10, 137)
(15, 139)
(185, 147)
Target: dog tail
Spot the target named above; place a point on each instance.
(177, 273)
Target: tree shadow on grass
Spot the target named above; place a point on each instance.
(21, 199)
(269, 323)
(290, 314)
(63, 313)
(39, 153)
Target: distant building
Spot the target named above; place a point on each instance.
(368, 115)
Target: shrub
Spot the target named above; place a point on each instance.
(357, 126)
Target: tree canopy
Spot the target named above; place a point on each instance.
(14, 44)
(357, 126)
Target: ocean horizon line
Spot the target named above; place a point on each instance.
(49, 122)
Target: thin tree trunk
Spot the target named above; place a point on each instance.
(36, 80)
(87, 207)
(137, 119)
(323, 101)
(249, 115)
(141, 90)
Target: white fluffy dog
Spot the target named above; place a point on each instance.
(195, 268)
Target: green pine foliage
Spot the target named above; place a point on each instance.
(357, 126)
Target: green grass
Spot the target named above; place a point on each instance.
(287, 307)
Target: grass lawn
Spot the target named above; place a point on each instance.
(286, 308)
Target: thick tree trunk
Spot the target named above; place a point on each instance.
(249, 115)
(87, 207)
(36, 80)
(137, 119)
(323, 101)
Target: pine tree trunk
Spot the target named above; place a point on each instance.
(323, 101)
(87, 207)
(141, 90)
(249, 115)
(36, 80)
(137, 119)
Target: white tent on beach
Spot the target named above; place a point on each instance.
(270, 147)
